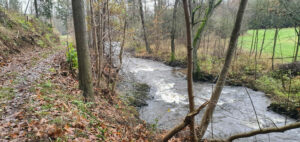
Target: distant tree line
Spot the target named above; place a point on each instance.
(274, 14)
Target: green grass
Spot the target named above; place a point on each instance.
(6, 93)
(285, 43)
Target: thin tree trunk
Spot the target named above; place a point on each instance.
(255, 57)
(215, 48)
(173, 31)
(274, 46)
(123, 42)
(207, 45)
(89, 22)
(262, 43)
(94, 36)
(85, 73)
(193, 136)
(255, 41)
(156, 25)
(298, 44)
(26, 7)
(101, 34)
(36, 9)
(144, 28)
(221, 80)
(110, 44)
(253, 37)
(223, 49)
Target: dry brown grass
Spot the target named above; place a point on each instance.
(210, 56)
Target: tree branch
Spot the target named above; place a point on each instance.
(260, 131)
(186, 121)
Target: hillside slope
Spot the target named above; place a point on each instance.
(19, 33)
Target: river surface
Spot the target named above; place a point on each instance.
(234, 113)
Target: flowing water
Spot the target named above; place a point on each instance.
(234, 112)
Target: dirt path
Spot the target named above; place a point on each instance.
(15, 82)
(40, 101)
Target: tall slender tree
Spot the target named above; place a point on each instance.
(36, 9)
(144, 27)
(274, 47)
(221, 80)
(173, 31)
(84, 64)
(193, 136)
(298, 43)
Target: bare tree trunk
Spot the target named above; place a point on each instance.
(262, 43)
(26, 7)
(173, 32)
(221, 80)
(255, 41)
(223, 49)
(94, 36)
(193, 136)
(298, 44)
(144, 28)
(85, 73)
(101, 35)
(274, 46)
(120, 55)
(207, 45)
(123, 42)
(36, 9)
(253, 37)
(156, 26)
(89, 23)
(110, 44)
(255, 57)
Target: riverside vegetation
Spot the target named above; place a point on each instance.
(279, 85)
(65, 76)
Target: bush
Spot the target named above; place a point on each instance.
(269, 85)
(72, 56)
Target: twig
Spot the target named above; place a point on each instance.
(253, 108)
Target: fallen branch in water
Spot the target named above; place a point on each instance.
(186, 121)
(260, 131)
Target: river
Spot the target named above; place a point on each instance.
(234, 113)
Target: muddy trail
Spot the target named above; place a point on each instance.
(16, 78)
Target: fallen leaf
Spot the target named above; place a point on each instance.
(14, 135)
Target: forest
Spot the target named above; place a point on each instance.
(150, 70)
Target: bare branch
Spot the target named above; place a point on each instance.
(260, 131)
(186, 121)
(253, 108)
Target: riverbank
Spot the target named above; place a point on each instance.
(278, 85)
(40, 101)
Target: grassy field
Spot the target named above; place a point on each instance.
(285, 42)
